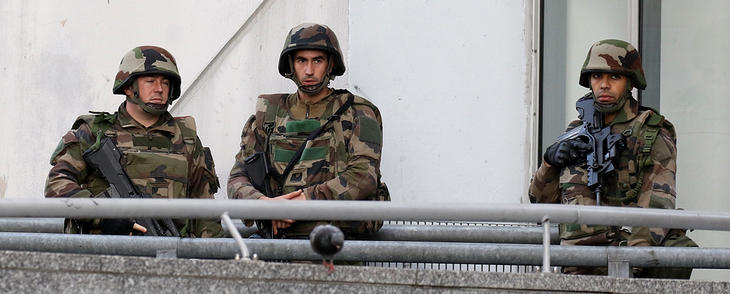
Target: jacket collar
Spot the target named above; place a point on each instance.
(628, 112)
(165, 123)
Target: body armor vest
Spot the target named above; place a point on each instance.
(154, 162)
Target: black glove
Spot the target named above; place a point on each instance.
(116, 226)
(566, 153)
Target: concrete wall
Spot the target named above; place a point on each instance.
(424, 75)
(58, 60)
(452, 82)
(37, 272)
(695, 74)
(452, 128)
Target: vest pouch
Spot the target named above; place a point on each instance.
(158, 174)
(574, 189)
(315, 165)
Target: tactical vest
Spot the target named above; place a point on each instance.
(622, 187)
(154, 163)
(324, 157)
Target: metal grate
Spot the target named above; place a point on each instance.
(505, 268)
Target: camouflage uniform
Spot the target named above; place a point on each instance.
(645, 169)
(165, 160)
(342, 163)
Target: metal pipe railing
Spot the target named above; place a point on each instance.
(460, 233)
(230, 227)
(31, 225)
(472, 233)
(546, 245)
(377, 251)
(364, 210)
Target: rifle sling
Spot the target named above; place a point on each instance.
(313, 135)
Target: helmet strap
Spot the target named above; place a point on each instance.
(613, 107)
(314, 89)
(150, 108)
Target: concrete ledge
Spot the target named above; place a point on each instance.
(33, 272)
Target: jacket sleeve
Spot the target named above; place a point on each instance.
(658, 189)
(68, 169)
(545, 183)
(203, 179)
(68, 173)
(203, 185)
(544, 186)
(239, 186)
(360, 179)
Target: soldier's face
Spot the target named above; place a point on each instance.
(310, 66)
(608, 87)
(153, 89)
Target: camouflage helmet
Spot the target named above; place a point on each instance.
(147, 60)
(613, 56)
(311, 36)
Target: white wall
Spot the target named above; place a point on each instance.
(695, 73)
(451, 81)
(225, 95)
(425, 76)
(58, 60)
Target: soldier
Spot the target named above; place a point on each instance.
(162, 155)
(645, 167)
(340, 163)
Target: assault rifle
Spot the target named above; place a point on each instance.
(106, 160)
(605, 144)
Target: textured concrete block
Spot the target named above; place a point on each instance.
(38, 272)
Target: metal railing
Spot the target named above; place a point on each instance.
(365, 210)
(381, 251)
(618, 258)
(391, 231)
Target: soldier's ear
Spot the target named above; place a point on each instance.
(128, 91)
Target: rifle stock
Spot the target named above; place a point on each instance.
(106, 159)
(605, 143)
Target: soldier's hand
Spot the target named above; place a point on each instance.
(300, 196)
(296, 195)
(138, 227)
(281, 224)
(288, 196)
(566, 153)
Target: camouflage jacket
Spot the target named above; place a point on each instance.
(343, 163)
(166, 160)
(650, 184)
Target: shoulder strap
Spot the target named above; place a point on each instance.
(99, 123)
(270, 104)
(315, 134)
(652, 130)
(188, 129)
(189, 133)
(653, 125)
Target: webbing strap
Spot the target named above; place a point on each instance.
(649, 137)
(101, 123)
(643, 159)
(315, 134)
(651, 132)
